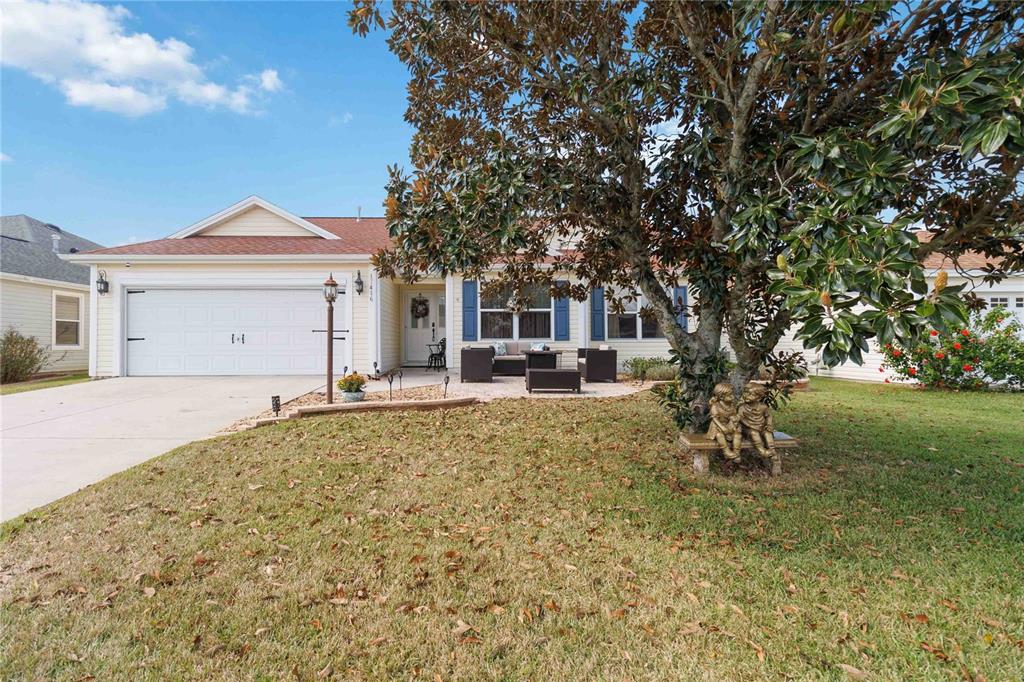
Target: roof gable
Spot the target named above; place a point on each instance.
(254, 217)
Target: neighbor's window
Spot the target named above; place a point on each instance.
(67, 321)
(498, 322)
(632, 323)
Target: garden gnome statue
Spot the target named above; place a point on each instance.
(756, 423)
(725, 422)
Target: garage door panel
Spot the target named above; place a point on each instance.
(189, 331)
(195, 314)
(223, 313)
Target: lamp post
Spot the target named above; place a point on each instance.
(330, 295)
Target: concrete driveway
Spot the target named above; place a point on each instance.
(57, 440)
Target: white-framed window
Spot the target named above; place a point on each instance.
(535, 321)
(67, 320)
(996, 301)
(632, 323)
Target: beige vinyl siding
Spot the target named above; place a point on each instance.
(358, 335)
(256, 222)
(105, 335)
(28, 307)
(390, 324)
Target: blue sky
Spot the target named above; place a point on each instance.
(163, 113)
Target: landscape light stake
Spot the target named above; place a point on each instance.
(330, 295)
(446, 380)
(391, 380)
(275, 404)
(376, 374)
(399, 380)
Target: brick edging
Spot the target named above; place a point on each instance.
(370, 406)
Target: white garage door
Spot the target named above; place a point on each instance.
(222, 331)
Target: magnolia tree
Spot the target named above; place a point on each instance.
(781, 158)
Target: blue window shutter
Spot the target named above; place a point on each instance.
(562, 317)
(597, 314)
(469, 307)
(679, 299)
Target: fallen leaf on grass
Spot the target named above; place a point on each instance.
(913, 618)
(149, 591)
(462, 627)
(853, 673)
(758, 649)
(691, 628)
(935, 651)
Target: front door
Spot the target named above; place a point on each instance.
(423, 314)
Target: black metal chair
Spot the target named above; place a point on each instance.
(436, 359)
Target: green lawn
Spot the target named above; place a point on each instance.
(22, 386)
(540, 539)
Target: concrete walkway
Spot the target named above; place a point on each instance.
(57, 440)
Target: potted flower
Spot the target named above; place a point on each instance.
(351, 387)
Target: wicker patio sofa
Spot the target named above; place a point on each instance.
(512, 363)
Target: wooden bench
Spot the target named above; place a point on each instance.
(698, 445)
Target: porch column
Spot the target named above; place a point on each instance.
(373, 323)
(581, 325)
(449, 320)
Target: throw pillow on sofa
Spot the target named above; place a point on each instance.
(538, 346)
(500, 348)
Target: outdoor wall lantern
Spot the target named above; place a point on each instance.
(102, 285)
(359, 282)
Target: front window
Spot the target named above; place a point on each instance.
(634, 322)
(67, 321)
(534, 321)
(495, 319)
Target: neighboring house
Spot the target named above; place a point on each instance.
(42, 295)
(1008, 293)
(240, 293)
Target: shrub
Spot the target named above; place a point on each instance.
(990, 350)
(21, 357)
(351, 383)
(654, 369)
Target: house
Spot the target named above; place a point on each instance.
(968, 270)
(42, 295)
(239, 292)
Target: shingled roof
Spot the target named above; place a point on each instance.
(27, 248)
(356, 236)
(970, 260)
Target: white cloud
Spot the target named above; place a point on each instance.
(270, 81)
(87, 51)
(340, 120)
(121, 99)
(4, 158)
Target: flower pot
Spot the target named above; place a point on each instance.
(353, 396)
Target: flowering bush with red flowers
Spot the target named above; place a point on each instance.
(988, 353)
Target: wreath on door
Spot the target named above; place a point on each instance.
(420, 307)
